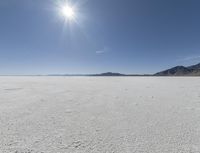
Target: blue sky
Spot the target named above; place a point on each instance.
(127, 36)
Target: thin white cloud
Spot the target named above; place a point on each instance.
(102, 51)
(189, 58)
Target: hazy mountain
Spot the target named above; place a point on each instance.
(101, 74)
(108, 74)
(193, 70)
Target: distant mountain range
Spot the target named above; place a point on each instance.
(193, 70)
(118, 74)
(101, 74)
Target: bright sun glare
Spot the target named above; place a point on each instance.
(68, 12)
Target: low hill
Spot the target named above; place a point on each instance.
(108, 74)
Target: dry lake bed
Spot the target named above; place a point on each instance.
(99, 115)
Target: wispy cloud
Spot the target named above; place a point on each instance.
(102, 51)
(190, 58)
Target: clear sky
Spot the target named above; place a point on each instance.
(127, 36)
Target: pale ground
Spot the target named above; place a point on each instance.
(99, 115)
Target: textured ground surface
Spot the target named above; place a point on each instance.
(99, 115)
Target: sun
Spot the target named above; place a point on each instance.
(68, 12)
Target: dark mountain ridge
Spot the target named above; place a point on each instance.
(193, 70)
